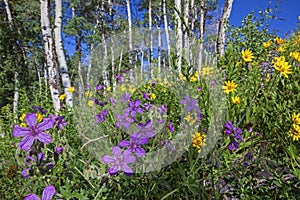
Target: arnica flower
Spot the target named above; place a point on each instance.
(281, 49)
(48, 193)
(182, 77)
(295, 55)
(39, 117)
(193, 79)
(247, 55)
(22, 117)
(236, 100)
(119, 161)
(296, 118)
(267, 44)
(108, 89)
(198, 141)
(280, 41)
(91, 103)
(189, 119)
(33, 131)
(88, 93)
(207, 71)
(152, 96)
(295, 132)
(62, 97)
(229, 86)
(282, 66)
(71, 89)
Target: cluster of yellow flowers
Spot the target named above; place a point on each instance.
(282, 66)
(63, 96)
(194, 77)
(295, 130)
(190, 119)
(295, 55)
(198, 141)
(207, 71)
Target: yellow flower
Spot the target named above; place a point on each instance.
(198, 141)
(131, 89)
(23, 124)
(22, 117)
(193, 79)
(90, 103)
(122, 88)
(236, 100)
(62, 97)
(108, 89)
(295, 132)
(229, 86)
(283, 67)
(267, 44)
(71, 89)
(88, 93)
(296, 118)
(196, 74)
(206, 71)
(39, 117)
(268, 77)
(182, 77)
(189, 119)
(281, 49)
(295, 55)
(247, 55)
(279, 40)
(239, 63)
(152, 96)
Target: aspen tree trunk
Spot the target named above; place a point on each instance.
(131, 75)
(65, 78)
(178, 34)
(167, 31)
(48, 48)
(222, 27)
(201, 35)
(112, 47)
(159, 49)
(16, 72)
(151, 40)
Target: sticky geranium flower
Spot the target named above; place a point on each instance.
(134, 145)
(247, 55)
(125, 98)
(119, 161)
(229, 86)
(134, 107)
(60, 122)
(124, 120)
(146, 96)
(145, 130)
(99, 87)
(162, 109)
(191, 104)
(48, 193)
(33, 131)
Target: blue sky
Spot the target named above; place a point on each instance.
(289, 10)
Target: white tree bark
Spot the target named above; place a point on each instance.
(66, 82)
(48, 48)
(178, 34)
(16, 72)
(164, 4)
(222, 27)
(201, 35)
(131, 75)
(151, 40)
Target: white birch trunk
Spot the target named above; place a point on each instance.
(159, 50)
(151, 40)
(48, 48)
(131, 75)
(16, 73)
(167, 31)
(222, 27)
(66, 82)
(201, 35)
(178, 34)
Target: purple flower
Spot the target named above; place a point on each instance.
(58, 150)
(99, 87)
(48, 193)
(146, 96)
(145, 130)
(199, 89)
(28, 160)
(229, 127)
(40, 157)
(39, 109)
(119, 161)
(134, 108)
(112, 101)
(171, 127)
(101, 117)
(61, 123)
(33, 131)
(162, 109)
(124, 120)
(134, 145)
(147, 106)
(25, 173)
(119, 77)
(88, 87)
(100, 103)
(125, 98)
(190, 104)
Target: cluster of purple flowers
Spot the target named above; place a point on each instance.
(236, 133)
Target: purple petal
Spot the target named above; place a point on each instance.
(126, 169)
(59, 149)
(113, 169)
(31, 197)
(142, 141)
(46, 124)
(28, 159)
(48, 192)
(41, 156)
(44, 137)
(230, 147)
(128, 157)
(124, 143)
(116, 151)
(31, 119)
(25, 173)
(108, 159)
(139, 151)
(26, 142)
(20, 131)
